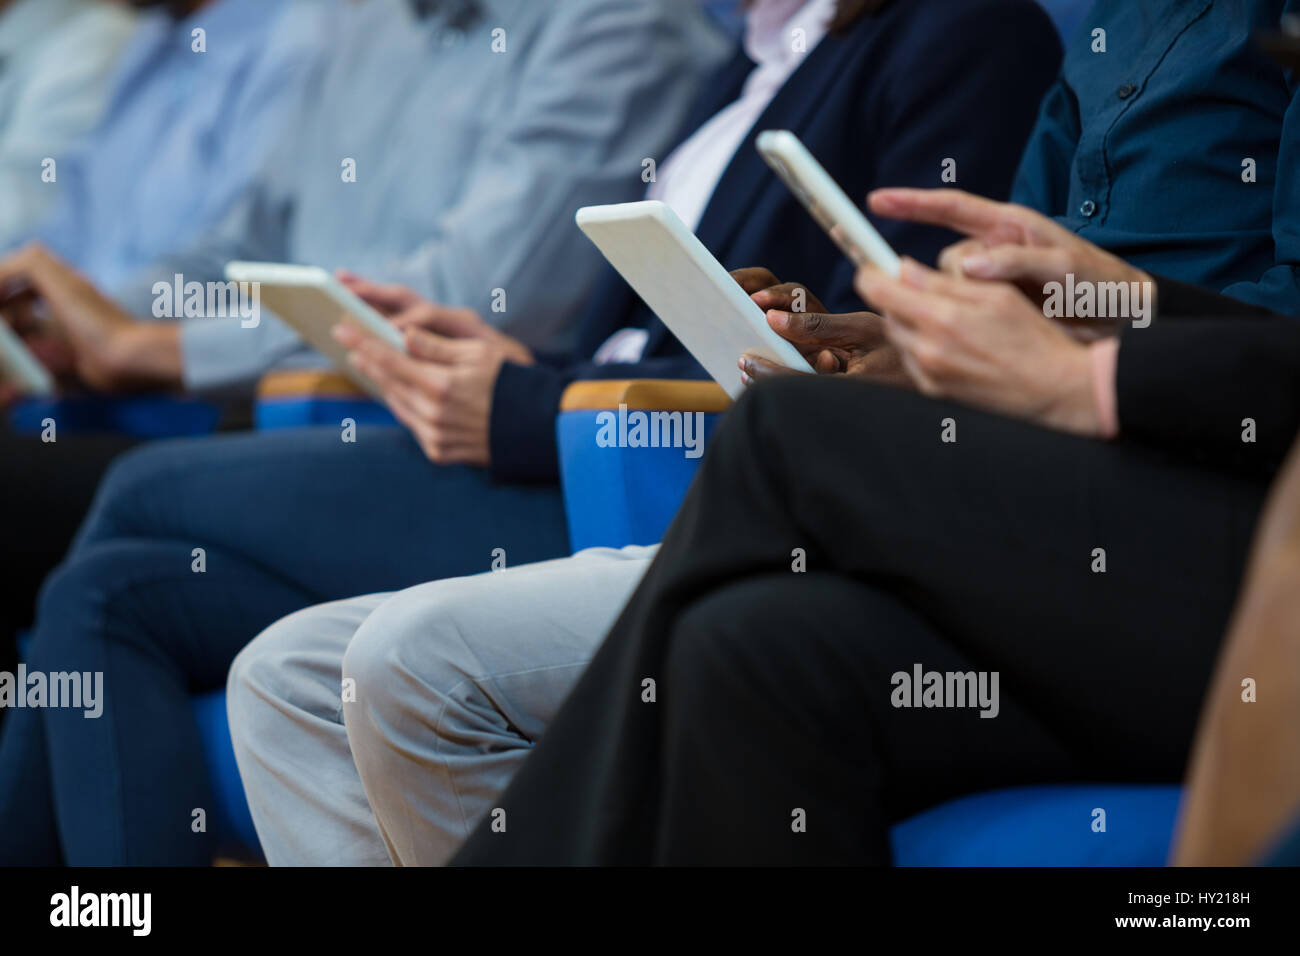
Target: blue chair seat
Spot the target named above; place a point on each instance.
(229, 820)
(616, 496)
(305, 397)
(144, 416)
(1043, 826)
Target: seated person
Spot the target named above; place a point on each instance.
(58, 56)
(454, 682)
(216, 155)
(290, 520)
(1180, 82)
(158, 170)
(461, 205)
(1068, 530)
(449, 162)
(1142, 81)
(161, 167)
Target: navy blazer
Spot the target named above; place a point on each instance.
(883, 103)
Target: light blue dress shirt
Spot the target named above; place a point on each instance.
(56, 57)
(474, 139)
(185, 133)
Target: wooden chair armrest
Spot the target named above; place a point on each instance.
(308, 383)
(649, 394)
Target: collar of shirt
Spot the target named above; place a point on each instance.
(770, 31)
(692, 171)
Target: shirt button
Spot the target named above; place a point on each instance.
(1127, 90)
(1088, 209)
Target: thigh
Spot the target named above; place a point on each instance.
(1090, 571)
(330, 517)
(515, 640)
(149, 604)
(820, 679)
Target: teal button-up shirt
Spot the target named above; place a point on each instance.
(1178, 147)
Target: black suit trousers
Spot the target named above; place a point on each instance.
(840, 533)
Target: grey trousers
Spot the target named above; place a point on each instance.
(382, 728)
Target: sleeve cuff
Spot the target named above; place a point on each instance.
(214, 356)
(521, 435)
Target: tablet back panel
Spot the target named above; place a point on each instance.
(688, 289)
(312, 302)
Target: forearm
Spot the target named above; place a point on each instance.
(147, 355)
(1244, 780)
(1221, 391)
(1244, 784)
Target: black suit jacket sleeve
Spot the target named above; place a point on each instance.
(1178, 300)
(1189, 387)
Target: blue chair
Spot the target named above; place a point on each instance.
(229, 820)
(627, 495)
(145, 416)
(1043, 826)
(299, 398)
(618, 496)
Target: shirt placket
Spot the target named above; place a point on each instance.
(1093, 189)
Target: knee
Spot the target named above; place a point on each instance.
(805, 414)
(743, 637)
(406, 654)
(132, 483)
(707, 640)
(73, 604)
(781, 401)
(785, 410)
(259, 674)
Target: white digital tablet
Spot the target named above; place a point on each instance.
(312, 302)
(825, 201)
(688, 289)
(19, 367)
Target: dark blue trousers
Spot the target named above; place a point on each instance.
(283, 520)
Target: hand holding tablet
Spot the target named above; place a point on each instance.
(690, 291)
(312, 301)
(826, 202)
(19, 368)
